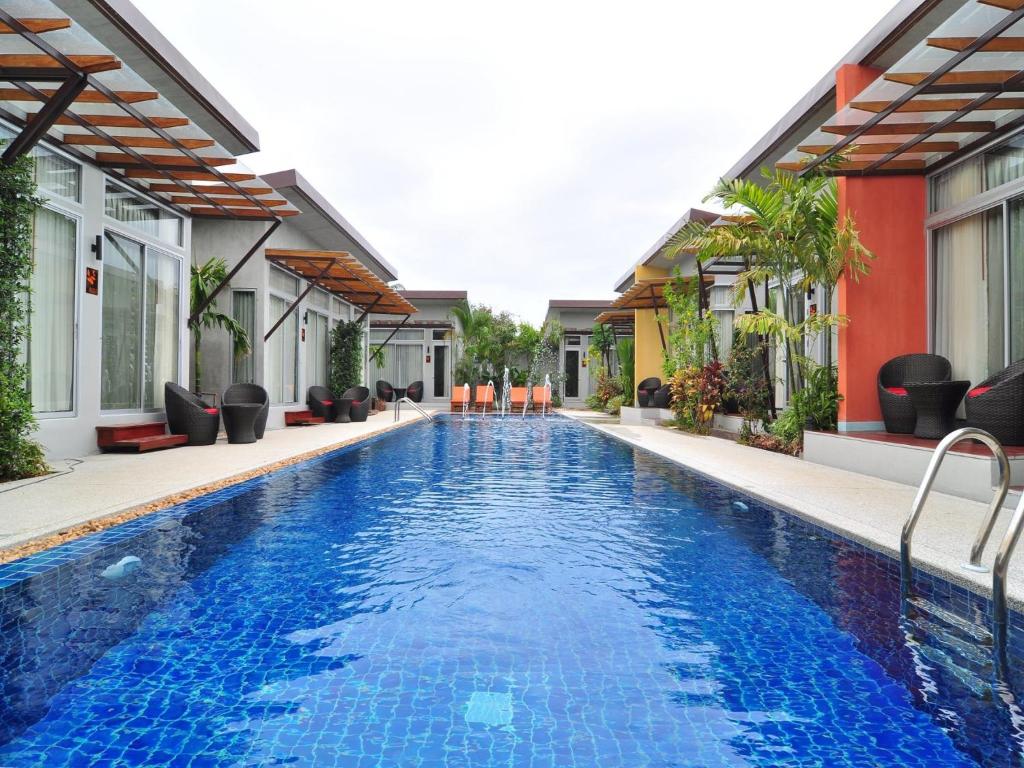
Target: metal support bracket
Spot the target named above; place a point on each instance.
(298, 300)
(37, 127)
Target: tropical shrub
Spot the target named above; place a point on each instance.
(691, 338)
(747, 384)
(696, 394)
(204, 280)
(346, 356)
(614, 406)
(626, 350)
(20, 455)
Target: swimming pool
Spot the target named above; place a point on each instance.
(487, 593)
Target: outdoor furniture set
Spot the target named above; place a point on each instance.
(918, 396)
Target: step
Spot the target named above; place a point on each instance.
(146, 443)
(301, 419)
(114, 433)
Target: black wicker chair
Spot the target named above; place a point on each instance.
(897, 411)
(360, 403)
(645, 391)
(415, 392)
(246, 394)
(997, 405)
(663, 397)
(189, 415)
(385, 392)
(321, 402)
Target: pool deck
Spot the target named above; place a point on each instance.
(865, 509)
(99, 490)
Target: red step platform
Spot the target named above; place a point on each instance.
(149, 436)
(301, 419)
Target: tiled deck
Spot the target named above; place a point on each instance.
(969, 447)
(105, 485)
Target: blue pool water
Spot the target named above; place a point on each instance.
(521, 593)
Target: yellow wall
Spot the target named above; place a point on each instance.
(649, 354)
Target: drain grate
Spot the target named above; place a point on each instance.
(489, 708)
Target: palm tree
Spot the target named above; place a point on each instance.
(204, 280)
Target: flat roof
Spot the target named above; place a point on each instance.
(580, 303)
(333, 229)
(694, 214)
(907, 24)
(436, 295)
(129, 35)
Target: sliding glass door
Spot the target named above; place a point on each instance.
(317, 347)
(141, 291)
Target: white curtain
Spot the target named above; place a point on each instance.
(403, 364)
(1004, 164)
(52, 308)
(122, 323)
(968, 290)
(162, 278)
(957, 184)
(316, 350)
(1016, 278)
(280, 364)
(243, 310)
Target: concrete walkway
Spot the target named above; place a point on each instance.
(107, 484)
(860, 507)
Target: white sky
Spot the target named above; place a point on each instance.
(521, 151)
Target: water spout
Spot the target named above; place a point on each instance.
(465, 400)
(526, 400)
(547, 396)
(506, 394)
(489, 388)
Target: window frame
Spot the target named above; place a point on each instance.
(112, 223)
(289, 300)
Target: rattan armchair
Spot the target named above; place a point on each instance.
(997, 405)
(385, 392)
(663, 397)
(321, 402)
(188, 415)
(897, 411)
(646, 390)
(246, 394)
(415, 392)
(360, 397)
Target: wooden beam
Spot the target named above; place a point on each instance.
(908, 129)
(120, 160)
(89, 64)
(995, 77)
(87, 96)
(36, 26)
(240, 212)
(147, 173)
(153, 142)
(1006, 5)
(941, 105)
(998, 45)
(225, 201)
(860, 165)
(121, 121)
(210, 189)
(883, 148)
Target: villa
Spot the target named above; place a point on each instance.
(368, 548)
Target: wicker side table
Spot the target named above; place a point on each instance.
(240, 421)
(936, 403)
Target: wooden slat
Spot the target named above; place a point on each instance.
(37, 26)
(911, 129)
(122, 121)
(212, 189)
(89, 63)
(238, 212)
(151, 142)
(121, 160)
(940, 105)
(1006, 5)
(974, 77)
(146, 173)
(225, 201)
(998, 45)
(88, 96)
(883, 148)
(860, 165)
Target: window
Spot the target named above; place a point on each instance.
(51, 306)
(992, 169)
(57, 175)
(572, 341)
(317, 350)
(243, 310)
(141, 214)
(140, 324)
(440, 335)
(403, 364)
(281, 364)
(720, 301)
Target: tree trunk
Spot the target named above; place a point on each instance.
(197, 360)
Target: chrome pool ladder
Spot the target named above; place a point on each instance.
(1006, 547)
(398, 408)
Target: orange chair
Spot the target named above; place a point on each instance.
(518, 397)
(484, 396)
(460, 397)
(541, 397)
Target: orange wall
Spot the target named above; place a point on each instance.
(888, 308)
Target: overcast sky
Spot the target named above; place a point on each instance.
(522, 151)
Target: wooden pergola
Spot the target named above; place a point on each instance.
(342, 274)
(949, 96)
(650, 294)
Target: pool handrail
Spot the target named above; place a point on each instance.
(398, 408)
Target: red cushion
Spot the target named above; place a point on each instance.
(211, 411)
(327, 402)
(978, 391)
(896, 391)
